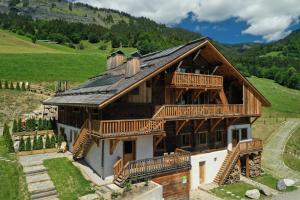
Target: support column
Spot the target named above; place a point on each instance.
(247, 165)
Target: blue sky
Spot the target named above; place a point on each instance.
(227, 21)
(228, 31)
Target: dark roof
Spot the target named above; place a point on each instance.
(100, 88)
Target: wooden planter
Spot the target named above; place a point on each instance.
(33, 152)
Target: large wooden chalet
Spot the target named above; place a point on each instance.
(181, 117)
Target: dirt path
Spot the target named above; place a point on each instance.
(272, 154)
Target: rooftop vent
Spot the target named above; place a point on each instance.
(115, 59)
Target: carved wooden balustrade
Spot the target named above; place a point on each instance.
(147, 168)
(199, 81)
(243, 147)
(124, 128)
(203, 110)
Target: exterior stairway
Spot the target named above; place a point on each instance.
(82, 143)
(244, 147)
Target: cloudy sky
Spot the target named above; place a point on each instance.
(229, 21)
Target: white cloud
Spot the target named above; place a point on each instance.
(270, 19)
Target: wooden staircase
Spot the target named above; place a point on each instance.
(82, 143)
(244, 147)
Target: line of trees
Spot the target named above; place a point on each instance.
(20, 86)
(32, 125)
(40, 142)
(8, 139)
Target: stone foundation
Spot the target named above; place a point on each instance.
(234, 175)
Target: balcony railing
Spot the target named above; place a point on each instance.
(180, 79)
(146, 168)
(249, 146)
(124, 128)
(203, 110)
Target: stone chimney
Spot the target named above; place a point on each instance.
(133, 66)
(115, 59)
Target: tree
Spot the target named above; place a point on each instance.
(25, 3)
(35, 143)
(45, 125)
(19, 125)
(28, 86)
(81, 46)
(40, 124)
(22, 144)
(93, 38)
(70, 6)
(48, 142)
(60, 139)
(0, 84)
(6, 84)
(11, 86)
(15, 126)
(49, 124)
(13, 3)
(33, 39)
(40, 142)
(23, 86)
(18, 86)
(28, 144)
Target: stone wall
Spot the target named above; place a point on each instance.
(255, 164)
(234, 175)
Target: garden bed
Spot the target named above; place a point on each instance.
(40, 151)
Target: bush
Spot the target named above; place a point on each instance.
(7, 139)
(40, 124)
(28, 86)
(6, 84)
(127, 186)
(48, 143)
(81, 46)
(103, 47)
(15, 126)
(49, 125)
(11, 86)
(0, 84)
(23, 86)
(53, 141)
(18, 86)
(22, 144)
(93, 38)
(35, 143)
(60, 139)
(28, 144)
(40, 142)
(115, 194)
(19, 125)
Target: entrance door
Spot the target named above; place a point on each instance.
(128, 151)
(202, 172)
(235, 137)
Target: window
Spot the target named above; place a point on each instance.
(201, 138)
(244, 134)
(185, 140)
(128, 147)
(219, 135)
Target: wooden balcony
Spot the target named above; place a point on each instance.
(250, 146)
(202, 111)
(126, 128)
(198, 81)
(151, 167)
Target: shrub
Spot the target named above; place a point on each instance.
(40, 124)
(28, 86)
(49, 124)
(40, 142)
(15, 126)
(93, 38)
(22, 144)
(19, 125)
(103, 47)
(35, 143)
(81, 46)
(0, 84)
(11, 86)
(115, 194)
(127, 186)
(53, 141)
(28, 144)
(33, 39)
(18, 86)
(7, 139)
(23, 86)
(6, 84)
(60, 139)
(48, 143)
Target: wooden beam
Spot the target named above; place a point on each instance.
(223, 97)
(196, 94)
(215, 123)
(198, 126)
(215, 69)
(254, 120)
(229, 122)
(197, 54)
(112, 145)
(247, 166)
(178, 93)
(180, 125)
(179, 64)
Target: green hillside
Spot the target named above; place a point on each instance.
(21, 60)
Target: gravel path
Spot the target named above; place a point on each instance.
(272, 154)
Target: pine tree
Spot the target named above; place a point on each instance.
(15, 126)
(40, 124)
(23, 86)
(0, 84)
(48, 142)
(53, 141)
(11, 86)
(22, 144)
(35, 143)
(10, 143)
(40, 142)
(44, 124)
(28, 144)
(28, 86)
(19, 125)
(18, 86)
(60, 139)
(6, 84)
(49, 124)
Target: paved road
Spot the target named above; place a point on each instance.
(272, 153)
(288, 195)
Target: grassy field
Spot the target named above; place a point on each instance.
(21, 60)
(12, 180)
(292, 151)
(67, 179)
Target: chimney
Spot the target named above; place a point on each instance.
(133, 66)
(115, 59)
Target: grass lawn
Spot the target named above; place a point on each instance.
(12, 180)
(267, 180)
(239, 189)
(293, 147)
(68, 180)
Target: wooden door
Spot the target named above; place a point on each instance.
(128, 151)
(235, 137)
(202, 172)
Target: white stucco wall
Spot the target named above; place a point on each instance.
(93, 158)
(144, 147)
(70, 137)
(213, 162)
(239, 127)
